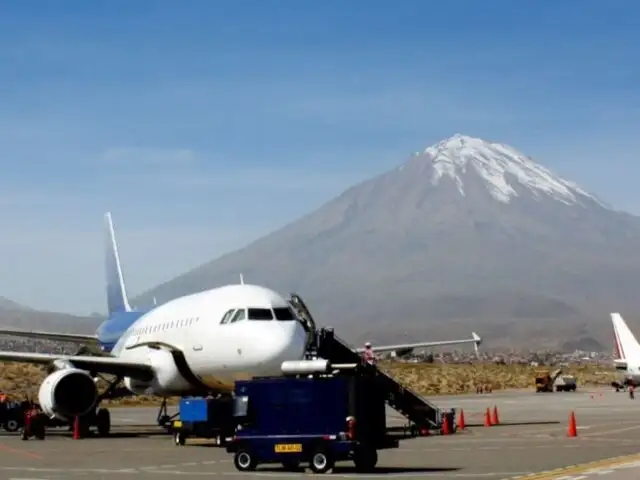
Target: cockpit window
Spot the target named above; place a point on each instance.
(239, 315)
(260, 314)
(227, 316)
(283, 314)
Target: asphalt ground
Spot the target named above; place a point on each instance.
(530, 440)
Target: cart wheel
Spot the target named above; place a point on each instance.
(244, 461)
(321, 461)
(11, 425)
(179, 439)
(365, 459)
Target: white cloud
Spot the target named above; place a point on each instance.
(147, 156)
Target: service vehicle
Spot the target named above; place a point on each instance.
(565, 383)
(545, 380)
(316, 413)
(12, 415)
(206, 417)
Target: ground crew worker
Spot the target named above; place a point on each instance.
(368, 356)
(631, 396)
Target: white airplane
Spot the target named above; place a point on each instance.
(627, 349)
(192, 345)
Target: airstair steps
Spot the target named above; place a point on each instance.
(325, 344)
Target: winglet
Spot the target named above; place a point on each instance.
(477, 341)
(241, 279)
(117, 300)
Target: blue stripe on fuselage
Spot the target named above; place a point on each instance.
(110, 331)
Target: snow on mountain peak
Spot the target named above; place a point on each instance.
(498, 165)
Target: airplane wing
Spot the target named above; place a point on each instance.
(408, 347)
(55, 337)
(108, 365)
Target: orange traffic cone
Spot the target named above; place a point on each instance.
(495, 419)
(461, 425)
(487, 418)
(76, 428)
(445, 424)
(573, 430)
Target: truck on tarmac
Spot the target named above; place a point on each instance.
(555, 381)
(312, 417)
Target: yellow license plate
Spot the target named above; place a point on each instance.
(288, 448)
(177, 423)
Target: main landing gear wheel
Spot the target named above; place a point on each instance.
(163, 418)
(103, 422)
(244, 461)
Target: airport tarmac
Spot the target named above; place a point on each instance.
(531, 441)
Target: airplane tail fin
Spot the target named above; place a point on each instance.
(626, 345)
(117, 300)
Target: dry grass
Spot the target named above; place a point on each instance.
(433, 379)
(19, 379)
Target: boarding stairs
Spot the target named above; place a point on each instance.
(325, 344)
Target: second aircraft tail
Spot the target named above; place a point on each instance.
(626, 345)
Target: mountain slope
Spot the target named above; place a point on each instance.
(15, 315)
(466, 234)
(6, 304)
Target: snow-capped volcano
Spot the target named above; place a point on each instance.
(463, 236)
(500, 166)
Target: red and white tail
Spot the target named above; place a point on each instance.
(627, 349)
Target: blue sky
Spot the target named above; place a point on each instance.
(204, 124)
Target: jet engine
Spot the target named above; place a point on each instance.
(67, 393)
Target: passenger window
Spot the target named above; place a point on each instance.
(240, 315)
(260, 314)
(227, 316)
(284, 314)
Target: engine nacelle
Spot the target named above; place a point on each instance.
(138, 387)
(67, 393)
(168, 379)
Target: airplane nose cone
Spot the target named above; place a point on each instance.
(287, 342)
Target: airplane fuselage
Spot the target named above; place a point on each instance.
(112, 329)
(629, 375)
(191, 350)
